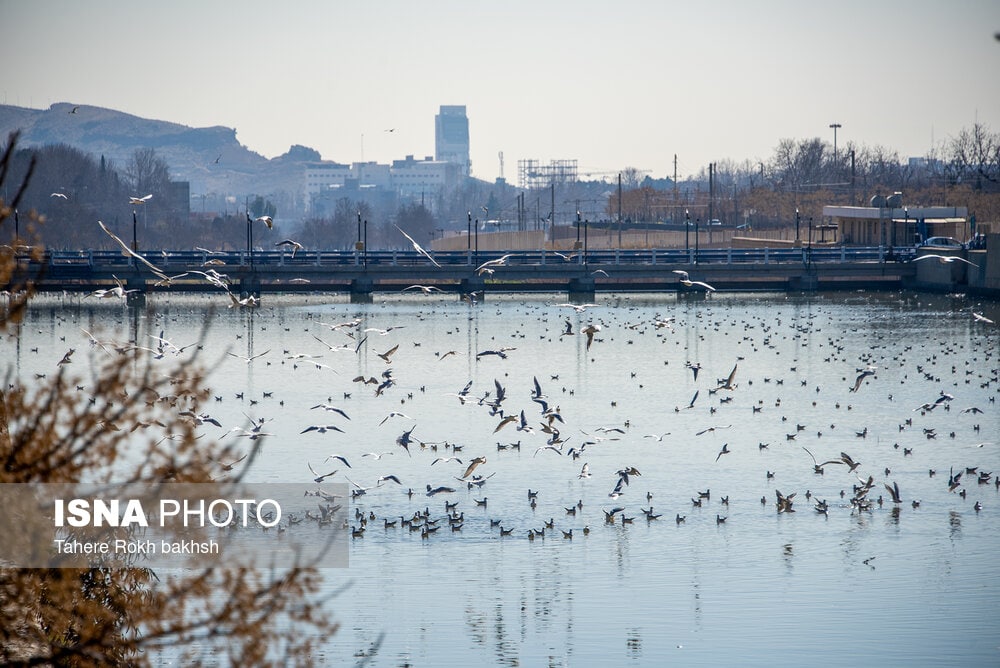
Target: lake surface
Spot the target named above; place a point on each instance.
(900, 584)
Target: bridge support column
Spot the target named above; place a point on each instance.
(474, 284)
(582, 289)
(249, 285)
(805, 283)
(361, 290)
(136, 292)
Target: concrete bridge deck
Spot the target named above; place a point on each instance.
(521, 271)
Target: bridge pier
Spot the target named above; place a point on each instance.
(135, 292)
(582, 289)
(473, 284)
(361, 290)
(804, 283)
(249, 285)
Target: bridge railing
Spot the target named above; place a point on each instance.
(177, 259)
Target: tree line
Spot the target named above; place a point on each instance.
(71, 190)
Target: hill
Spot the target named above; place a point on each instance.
(211, 159)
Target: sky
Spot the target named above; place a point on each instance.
(629, 84)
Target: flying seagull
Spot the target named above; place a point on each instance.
(946, 259)
(128, 251)
(417, 247)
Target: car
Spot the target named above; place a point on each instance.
(941, 242)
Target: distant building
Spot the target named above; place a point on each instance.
(417, 177)
(451, 137)
(888, 223)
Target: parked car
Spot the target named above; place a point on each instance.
(941, 242)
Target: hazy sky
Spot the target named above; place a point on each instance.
(618, 84)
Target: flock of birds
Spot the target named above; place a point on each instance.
(495, 423)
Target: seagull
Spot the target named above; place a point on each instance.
(341, 458)
(446, 459)
(248, 359)
(708, 429)
(426, 289)
(295, 245)
(979, 317)
(128, 251)
(579, 308)
(392, 415)
(590, 330)
(724, 451)
(689, 283)
(946, 259)
(319, 478)
(267, 220)
(59, 195)
(472, 466)
(868, 371)
(417, 247)
(333, 409)
(488, 266)
(322, 429)
(139, 200)
(728, 383)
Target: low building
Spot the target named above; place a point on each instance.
(888, 223)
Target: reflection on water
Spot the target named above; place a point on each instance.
(901, 583)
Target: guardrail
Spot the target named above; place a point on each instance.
(402, 258)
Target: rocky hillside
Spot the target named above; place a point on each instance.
(211, 159)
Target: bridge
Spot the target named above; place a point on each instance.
(361, 273)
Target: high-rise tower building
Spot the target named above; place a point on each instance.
(451, 137)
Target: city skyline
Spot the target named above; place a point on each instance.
(611, 89)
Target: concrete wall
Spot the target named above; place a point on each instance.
(985, 278)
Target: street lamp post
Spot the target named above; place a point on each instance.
(835, 126)
(906, 225)
(687, 232)
(796, 225)
(697, 221)
(249, 236)
(364, 245)
(468, 233)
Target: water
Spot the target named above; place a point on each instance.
(900, 585)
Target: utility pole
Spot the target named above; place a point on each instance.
(619, 209)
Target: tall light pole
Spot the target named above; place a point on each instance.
(687, 232)
(796, 225)
(835, 126)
